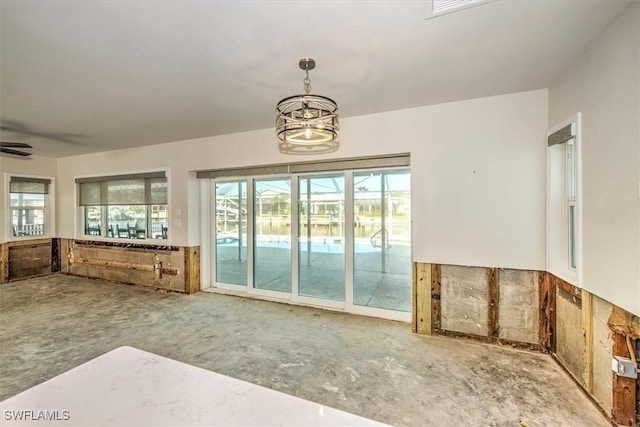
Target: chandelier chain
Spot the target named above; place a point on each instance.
(307, 84)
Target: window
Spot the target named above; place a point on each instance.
(29, 206)
(442, 7)
(572, 212)
(125, 206)
(563, 200)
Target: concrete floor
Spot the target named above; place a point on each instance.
(370, 367)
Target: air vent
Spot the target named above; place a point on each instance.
(442, 7)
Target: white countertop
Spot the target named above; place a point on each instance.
(131, 387)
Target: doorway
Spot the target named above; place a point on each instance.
(339, 240)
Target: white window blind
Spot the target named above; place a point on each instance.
(27, 185)
(131, 189)
(372, 162)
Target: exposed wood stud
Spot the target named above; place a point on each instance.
(4, 262)
(587, 336)
(493, 302)
(436, 319)
(157, 267)
(575, 291)
(192, 265)
(623, 409)
(414, 297)
(185, 269)
(547, 317)
(423, 295)
(552, 317)
(70, 256)
(55, 255)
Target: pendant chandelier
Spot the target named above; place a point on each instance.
(307, 120)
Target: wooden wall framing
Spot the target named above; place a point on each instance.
(164, 267)
(25, 258)
(547, 319)
(625, 328)
(422, 295)
(427, 306)
(493, 302)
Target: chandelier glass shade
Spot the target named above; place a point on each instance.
(307, 120)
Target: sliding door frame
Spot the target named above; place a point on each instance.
(208, 239)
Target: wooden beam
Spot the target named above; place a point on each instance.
(70, 245)
(116, 252)
(423, 298)
(192, 269)
(587, 340)
(414, 297)
(491, 340)
(55, 255)
(623, 408)
(120, 264)
(624, 323)
(126, 245)
(34, 242)
(547, 317)
(566, 286)
(4, 262)
(493, 302)
(436, 313)
(192, 266)
(111, 263)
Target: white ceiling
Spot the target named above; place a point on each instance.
(87, 76)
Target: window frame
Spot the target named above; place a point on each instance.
(572, 205)
(564, 193)
(49, 208)
(80, 221)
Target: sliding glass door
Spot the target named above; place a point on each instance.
(321, 231)
(340, 240)
(382, 237)
(272, 234)
(231, 232)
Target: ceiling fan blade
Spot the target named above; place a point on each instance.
(16, 152)
(15, 145)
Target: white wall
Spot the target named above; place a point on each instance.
(604, 84)
(478, 173)
(478, 170)
(35, 165)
